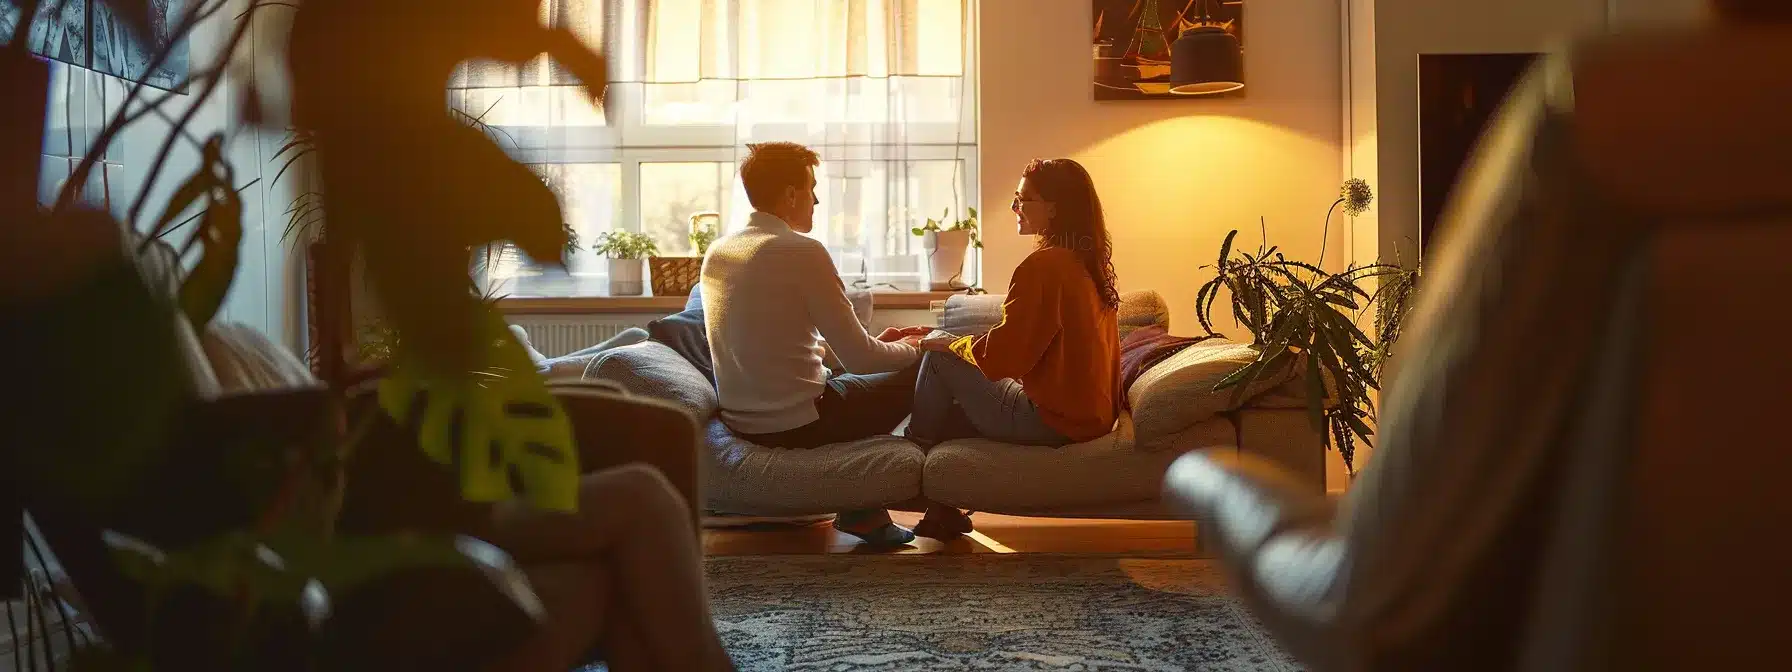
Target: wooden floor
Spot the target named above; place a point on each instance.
(995, 534)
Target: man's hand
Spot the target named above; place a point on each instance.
(894, 334)
(940, 343)
(911, 341)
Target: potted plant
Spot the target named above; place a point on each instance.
(625, 250)
(246, 569)
(675, 276)
(1304, 317)
(946, 244)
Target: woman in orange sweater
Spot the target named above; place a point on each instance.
(1049, 373)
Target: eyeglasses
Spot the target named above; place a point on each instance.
(1016, 203)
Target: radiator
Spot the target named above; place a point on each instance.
(554, 336)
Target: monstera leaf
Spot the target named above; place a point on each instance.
(500, 428)
(478, 407)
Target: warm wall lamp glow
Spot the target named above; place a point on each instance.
(1206, 60)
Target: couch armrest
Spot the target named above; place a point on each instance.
(613, 428)
(1274, 535)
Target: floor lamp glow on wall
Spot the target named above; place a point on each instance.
(1206, 59)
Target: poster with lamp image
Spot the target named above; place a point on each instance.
(1168, 49)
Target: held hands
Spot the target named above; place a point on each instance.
(909, 335)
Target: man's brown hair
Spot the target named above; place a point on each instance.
(772, 166)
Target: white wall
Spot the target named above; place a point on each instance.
(265, 293)
(1397, 31)
(1402, 30)
(1174, 176)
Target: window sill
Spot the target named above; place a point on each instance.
(664, 305)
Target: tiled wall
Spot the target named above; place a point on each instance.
(80, 102)
(266, 291)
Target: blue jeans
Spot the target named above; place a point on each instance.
(951, 392)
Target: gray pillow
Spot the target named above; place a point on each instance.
(651, 369)
(1142, 309)
(969, 315)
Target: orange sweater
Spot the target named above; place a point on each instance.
(1059, 341)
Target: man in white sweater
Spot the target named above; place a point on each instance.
(770, 297)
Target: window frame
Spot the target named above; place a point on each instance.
(627, 138)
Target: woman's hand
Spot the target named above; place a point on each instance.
(941, 342)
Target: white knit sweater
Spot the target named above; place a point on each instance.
(770, 295)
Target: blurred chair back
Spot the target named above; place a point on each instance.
(1693, 135)
(1582, 460)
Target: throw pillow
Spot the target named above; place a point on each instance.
(684, 333)
(972, 314)
(573, 365)
(969, 315)
(1178, 393)
(861, 305)
(1147, 346)
(1143, 309)
(653, 369)
(695, 300)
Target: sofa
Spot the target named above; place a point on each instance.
(1116, 476)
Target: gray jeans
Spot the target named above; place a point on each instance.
(950, 394)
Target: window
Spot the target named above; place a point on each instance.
(884, 90)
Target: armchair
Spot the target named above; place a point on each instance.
(1564, 479)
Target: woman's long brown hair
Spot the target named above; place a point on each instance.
(1078, 224)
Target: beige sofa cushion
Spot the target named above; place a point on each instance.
(1177, 394)
(984, 475)
(748, 478)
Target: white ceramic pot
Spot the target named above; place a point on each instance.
(945, 258)
(626, 276)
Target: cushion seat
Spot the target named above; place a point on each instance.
(985, 475)
(743, 477)
(753, 479)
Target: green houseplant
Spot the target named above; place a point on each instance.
(262, 580)
(947, 242)
(1305, 318)
(625, 250)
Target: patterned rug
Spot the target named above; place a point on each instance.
(844, 613)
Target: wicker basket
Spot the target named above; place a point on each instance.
(674, 276)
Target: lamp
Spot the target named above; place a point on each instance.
(1206, 60)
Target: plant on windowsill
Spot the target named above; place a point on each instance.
(626, 250)
(1306, 318)
(675, 276)
(947, 242)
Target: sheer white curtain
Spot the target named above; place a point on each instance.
(884, 90)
